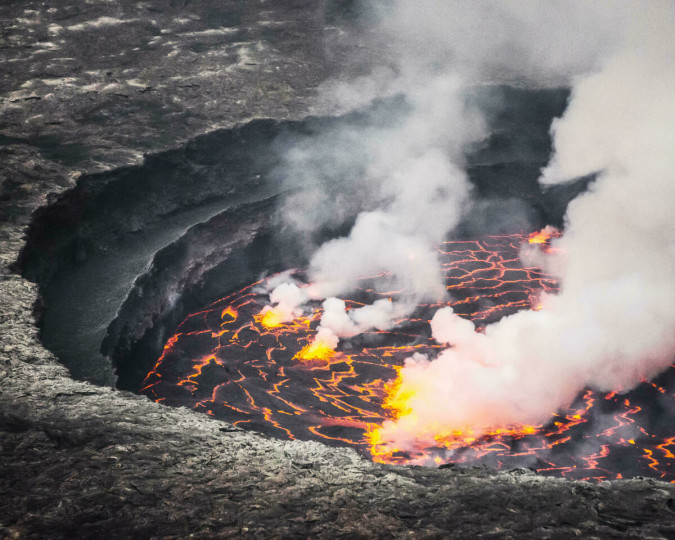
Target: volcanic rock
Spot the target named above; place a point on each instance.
(91, 87)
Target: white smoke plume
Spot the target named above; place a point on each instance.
(286, 302)
(613, 321)
(420, 193)
(404, 177)
(410, 191)
(337, 322)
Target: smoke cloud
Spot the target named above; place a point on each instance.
(400, 171)
(613, 322)
(411, 191)
(337, 322)
(286, 304)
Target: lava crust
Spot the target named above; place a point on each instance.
(93, 92)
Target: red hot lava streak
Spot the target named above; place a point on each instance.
(240, 365)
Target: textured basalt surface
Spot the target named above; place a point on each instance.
(88, 88)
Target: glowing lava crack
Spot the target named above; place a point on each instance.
(239, 363)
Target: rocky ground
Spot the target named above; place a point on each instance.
(91, 86)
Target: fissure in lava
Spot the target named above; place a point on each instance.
(234, 363)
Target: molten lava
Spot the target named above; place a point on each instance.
(269, 319)
(238, 361)
(315, 351)
(544, 236)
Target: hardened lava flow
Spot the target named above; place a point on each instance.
(237, 362)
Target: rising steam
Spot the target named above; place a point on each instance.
(613, 322)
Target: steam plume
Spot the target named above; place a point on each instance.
(613, 322)
(401, 170)
(418, 190)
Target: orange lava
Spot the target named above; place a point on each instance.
(269, 319)
(544, 236)
(238, 364)
(315, 351)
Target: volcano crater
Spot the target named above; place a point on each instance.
(136, 89)
(124, 256)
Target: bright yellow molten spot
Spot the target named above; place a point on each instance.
(315, 351)
(543, 236)
(397, 399)
(398, 396)
(269, 319)
(527, 430)
(380, 450)
(539, 238)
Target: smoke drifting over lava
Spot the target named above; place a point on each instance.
(403, 170)
(228, 362)
(613, 322)
(391, 182)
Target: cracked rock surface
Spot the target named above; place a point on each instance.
(93, 86)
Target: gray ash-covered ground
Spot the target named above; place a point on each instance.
(91, 87)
